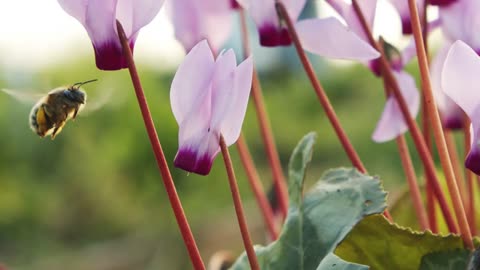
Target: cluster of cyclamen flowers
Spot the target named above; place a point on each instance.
(209, 93)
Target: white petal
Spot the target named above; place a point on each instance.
(232, 122)
(460, 77)
(392, 123)
(330, 38)
(191, 80)
(76, 8)
(135, 14)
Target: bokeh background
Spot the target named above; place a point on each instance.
(93, 198)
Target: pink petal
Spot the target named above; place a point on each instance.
(460, 79)
(233, 118)
(222, 88)
(441, 2)
(347, 11)
(135, 14)
(294, 8)
(330, 38)
(194, 21)
(191, 80)
(198, 144)
(402, 8)
(75, 8)
(392, 123)
(452, 115)
(460, 21)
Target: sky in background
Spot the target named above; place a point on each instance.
(38, 33)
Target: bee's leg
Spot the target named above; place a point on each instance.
(75, 113)
(58, 129)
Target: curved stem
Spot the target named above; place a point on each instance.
(417, 137)
(237, 201)
(257, 187)
(160, 157)
(437, 127)
(323, 98)
(265, 128)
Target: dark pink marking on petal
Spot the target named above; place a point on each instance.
(109, 56)
(234, 4)
(271, 36)
(454, 122)
(406, 26)
(374, 66)
(441, 3)
(473, 160)
(191, 161)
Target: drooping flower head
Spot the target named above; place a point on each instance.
(99, 19)
(460, 81)
(195, 20)
(270, 30)
(209, 98)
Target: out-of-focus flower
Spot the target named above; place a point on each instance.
(441, 3)
(195, 20)
(209, 98)
(460, 82)
(461, 21)
(392, 123)
(99, 19)
(451, 114)
(402, 8)
(326, 37)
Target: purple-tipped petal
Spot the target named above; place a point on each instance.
(233, 119)
(272, 36)
(191, 79)
(330, 38)
(452, 115)
(460, 79)
(194, 21)
(392, 123)
(472, 162)
(402, 8)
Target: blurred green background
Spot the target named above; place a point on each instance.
(93, 197)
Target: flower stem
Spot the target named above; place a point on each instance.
(323, 98)
(437, 127)
(412, 183)
(417, 137)
(160, 157)
(257, 187)
(265, 128)
(237, 201)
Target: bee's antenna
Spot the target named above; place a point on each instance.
(78, 84)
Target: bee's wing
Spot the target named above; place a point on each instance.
(25, 97)
(98, 100)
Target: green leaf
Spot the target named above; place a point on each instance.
(333, 262)
(446, 260)
(318, 222)
(382, 245)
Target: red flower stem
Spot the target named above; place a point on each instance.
(160, 157)
(470, 180)
(437, 128)
(323, 98)
(265, 129)
(257, 187)
(237, 201)
(417, 137)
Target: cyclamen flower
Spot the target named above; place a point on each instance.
(403, 10)
(460, 82)
(441, 3)
(99, 19)
(209, 98)
(195, 20)
(326, 37)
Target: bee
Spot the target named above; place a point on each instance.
(52, 111)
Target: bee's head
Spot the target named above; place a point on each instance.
(75, 95)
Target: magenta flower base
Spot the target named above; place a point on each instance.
(191, 161)
(271, 36)
(109, 56)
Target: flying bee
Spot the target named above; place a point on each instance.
(51, 112)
